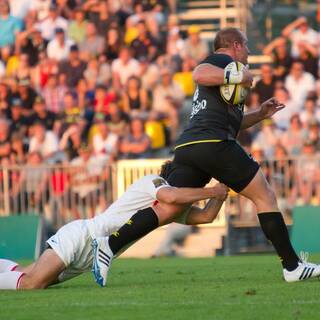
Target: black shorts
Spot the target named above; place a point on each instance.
(227, 162)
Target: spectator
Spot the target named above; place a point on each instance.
(20, 8)
(281, 57)
(53, 94)
(41, 114)
(194, 47)
(78, 26)
(105, 142)
(298, 31)
(53, 21)
(282, 119)
(310, 112)
(93, 44)
(27, 94)
(135, 98)
(313, 134)
(19, 123)
(9, 25)
(299, 83)
(117, 120)
(266, 85)
(31, 43)
(308, 56)
(293, 138)
(307, 173)
(102, 99)
(5, 145)
(40, 8)
(30, 189)
(73, 67)
(113, 44)
(88, 172)
(149, 73)
(167, 100)
(268, 138)
(59, 48)
(71, 141)
(144, 45)
(136, 144)
(43, 141)
(123, 68)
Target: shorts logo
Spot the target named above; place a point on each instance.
(159, 182)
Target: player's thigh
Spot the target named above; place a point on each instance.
(45, 271)
(261, 193)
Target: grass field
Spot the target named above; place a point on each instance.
(241, 287)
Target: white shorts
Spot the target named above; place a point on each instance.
(72, 243)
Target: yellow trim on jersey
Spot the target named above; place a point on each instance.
(194, 142)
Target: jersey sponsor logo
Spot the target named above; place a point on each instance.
(159, 182)
(197, 105)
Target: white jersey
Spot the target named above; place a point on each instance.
(138, 196)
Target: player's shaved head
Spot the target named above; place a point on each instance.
(226, 37)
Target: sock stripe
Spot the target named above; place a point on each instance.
(14, 267)
(19, 279)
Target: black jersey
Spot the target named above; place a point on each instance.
(212, 119)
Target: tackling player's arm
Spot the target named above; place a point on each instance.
(266, 110)
(172, 195)
(207, 74)
(196, 215)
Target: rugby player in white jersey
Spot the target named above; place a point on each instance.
(70, 251)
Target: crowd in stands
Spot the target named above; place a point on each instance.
(105, 80)
(106, 76)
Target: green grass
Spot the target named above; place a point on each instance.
(242, 287)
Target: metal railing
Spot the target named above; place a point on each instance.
(64, 193)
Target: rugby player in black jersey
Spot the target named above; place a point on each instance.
(208, 149)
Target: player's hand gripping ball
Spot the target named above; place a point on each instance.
(233, 93)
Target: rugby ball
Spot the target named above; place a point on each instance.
(234, 93)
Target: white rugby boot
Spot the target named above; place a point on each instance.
(102, 258)
(304, 271)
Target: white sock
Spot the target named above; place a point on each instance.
(7, 265)
(10, 280)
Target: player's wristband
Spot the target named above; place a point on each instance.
(232, 77)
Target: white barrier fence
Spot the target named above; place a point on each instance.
(64, 193)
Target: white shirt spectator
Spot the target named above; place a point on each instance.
(48, 26)
(55, 51)
(41, 7)
(107, 146)
(47, 147)
(20, 8)
(125, 71)
(282, 119)
(299, 88)
(310, 36)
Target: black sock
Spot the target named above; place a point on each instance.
(139, 225)
(276, 231)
